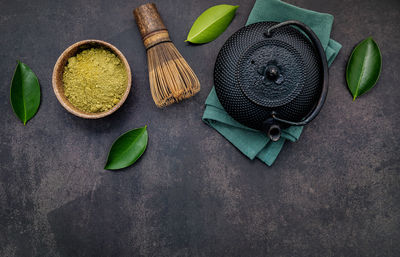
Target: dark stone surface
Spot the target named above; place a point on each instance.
(333, 193)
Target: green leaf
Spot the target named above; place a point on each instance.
(211, 23)
(24, 92)
(127, 149)
(363, 67)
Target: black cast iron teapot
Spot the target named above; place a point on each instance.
(270, 76)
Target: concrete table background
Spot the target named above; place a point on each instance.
(335, 192)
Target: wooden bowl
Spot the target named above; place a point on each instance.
(58, 71)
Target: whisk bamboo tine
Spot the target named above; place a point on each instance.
(170, 76)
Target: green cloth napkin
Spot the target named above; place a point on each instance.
(251, 142)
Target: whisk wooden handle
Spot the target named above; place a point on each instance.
(150, 25)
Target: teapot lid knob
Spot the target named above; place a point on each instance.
(272, 72)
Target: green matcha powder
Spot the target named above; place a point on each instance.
(94, 80)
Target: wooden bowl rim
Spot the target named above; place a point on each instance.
(57, 81)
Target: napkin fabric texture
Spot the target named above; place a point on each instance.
(250, 142)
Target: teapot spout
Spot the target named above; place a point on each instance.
(274, 132)
(272, 128)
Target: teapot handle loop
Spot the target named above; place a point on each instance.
(317, 44)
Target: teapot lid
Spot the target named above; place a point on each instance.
(270, 73)
(271, 70)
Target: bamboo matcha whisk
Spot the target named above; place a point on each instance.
(171, 78)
